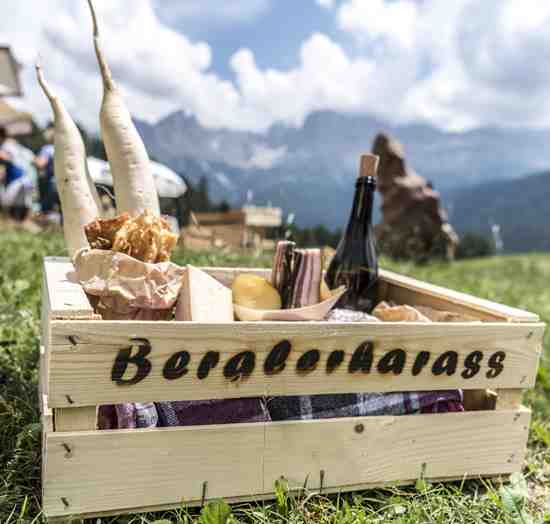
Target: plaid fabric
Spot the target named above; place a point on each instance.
(128, 416)
(233, 411)
(363, 404)
(204, 412)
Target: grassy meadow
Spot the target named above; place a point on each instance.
(522, 281)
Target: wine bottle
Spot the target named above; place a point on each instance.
(355, 264)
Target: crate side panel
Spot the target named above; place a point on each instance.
(394, 449)
(109, 470)
(117, 470)
(408, 290)
(66, 296)
(269, 496)
(93, 371)
(429, 295)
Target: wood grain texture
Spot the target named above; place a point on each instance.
(269, 496)
(479, 400)
(406, 290)
(46, 414)
(395, 287)
(115, 470)
(508, 398)
(66, 297)
(83, 371)
(75, 419)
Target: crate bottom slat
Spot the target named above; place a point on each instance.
(271, 496)
(109, 472)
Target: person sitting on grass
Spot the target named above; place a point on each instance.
(44, 162)
(16, 185)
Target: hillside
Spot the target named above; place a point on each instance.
(295, 168)
(517, 280)
(521, 208)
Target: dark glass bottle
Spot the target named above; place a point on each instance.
(355, 264)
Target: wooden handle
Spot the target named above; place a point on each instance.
(369, 165)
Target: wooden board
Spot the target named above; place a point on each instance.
(76, 419)
(116, 470)
(95, 370)
(204, 299)
(67, 299)
(71, 302)
(269, 496)
(406, 290)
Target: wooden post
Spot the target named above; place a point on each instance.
(509, 399)
(75, 419)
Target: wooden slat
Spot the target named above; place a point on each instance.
(508, 398)
(78, 419)
(406, 290)
(75, 419)
(479, 400)
(43, 363)
(113, 470)
(396, 287)
(46, 414)
(66, 296)
(83, 372)
(395, 448)
(151, 467)
(269, 496)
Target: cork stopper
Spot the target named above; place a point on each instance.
(369, 165)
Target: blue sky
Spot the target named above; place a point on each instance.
(249, 64)
(274, 30)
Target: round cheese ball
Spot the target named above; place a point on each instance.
(255, 292)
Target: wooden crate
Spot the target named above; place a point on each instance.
(84, 363)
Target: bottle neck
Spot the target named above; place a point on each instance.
(363, 203)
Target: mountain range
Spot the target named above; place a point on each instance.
(310, 170)
(520, 208)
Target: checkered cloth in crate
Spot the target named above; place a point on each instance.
(232, 411)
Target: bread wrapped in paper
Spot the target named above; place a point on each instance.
(436, 315)
(145, 237)
(388, 313)
(126, 288)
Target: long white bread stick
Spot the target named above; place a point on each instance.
(134, 184)
(77, 201)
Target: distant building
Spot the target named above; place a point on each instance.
(238, 228)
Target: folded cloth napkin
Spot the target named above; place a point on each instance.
(204, 412)
(363, 404)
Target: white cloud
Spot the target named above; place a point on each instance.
(456, 64)
(327, 4)
(374, 19)
(264, 157)
(326, 78)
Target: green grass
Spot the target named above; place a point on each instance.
(522, 281)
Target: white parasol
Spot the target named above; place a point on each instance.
(169, 184)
